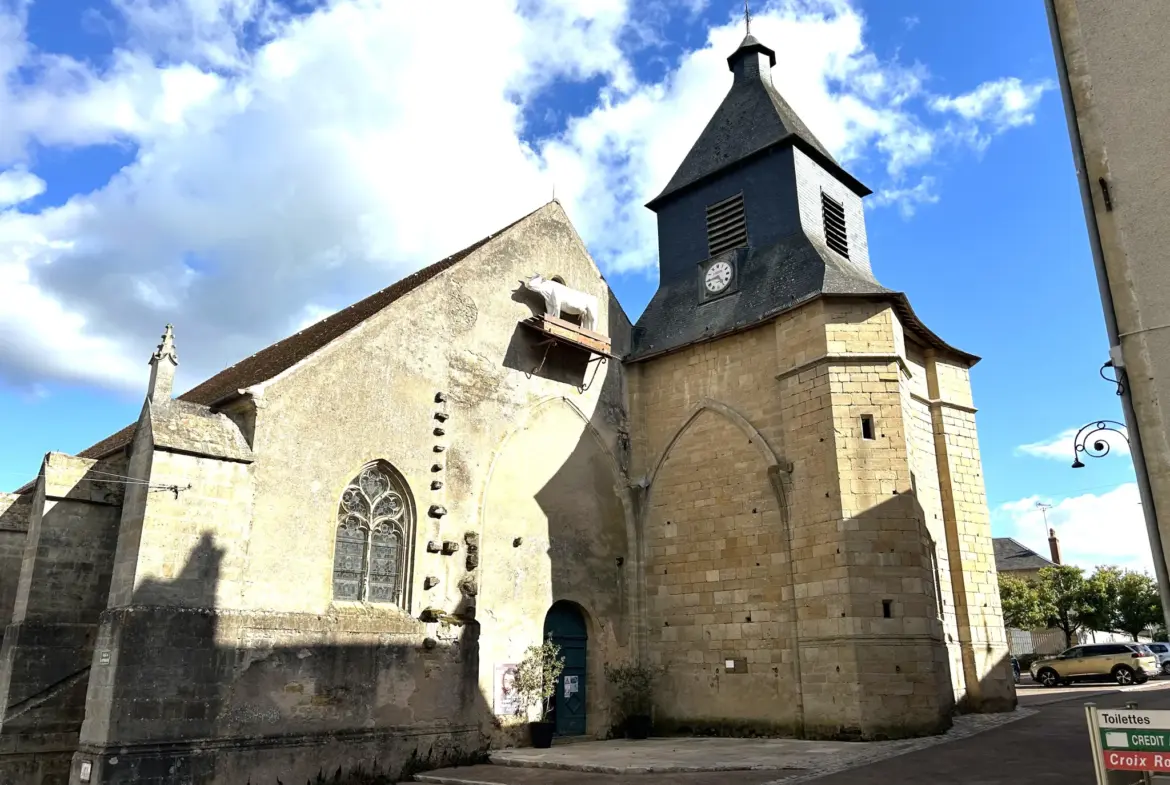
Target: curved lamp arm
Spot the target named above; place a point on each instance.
(1088, 441)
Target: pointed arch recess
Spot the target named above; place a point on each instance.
(737, 419)
(622, 490)
(522, 421)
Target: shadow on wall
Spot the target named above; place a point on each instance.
(199, 695)
(533, 354)
(556, 480)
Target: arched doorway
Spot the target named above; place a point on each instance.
(565, 624)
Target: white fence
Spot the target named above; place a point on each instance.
(1042, 642)
(1039, 642)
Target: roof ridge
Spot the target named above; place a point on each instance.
(282, 355)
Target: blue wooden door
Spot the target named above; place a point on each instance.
(566, 626)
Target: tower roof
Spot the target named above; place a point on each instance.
(753, 117)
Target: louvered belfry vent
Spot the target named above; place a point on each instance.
(726, 225)
(833, 215)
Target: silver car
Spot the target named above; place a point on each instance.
(1162, 652)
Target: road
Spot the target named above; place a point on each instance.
(1051, 746)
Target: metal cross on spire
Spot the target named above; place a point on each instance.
(747, 17)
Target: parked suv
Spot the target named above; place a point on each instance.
(1125, 663)
(1162, 652)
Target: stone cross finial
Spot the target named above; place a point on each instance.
(162, 368)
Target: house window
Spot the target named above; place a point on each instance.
(375, 525)
(726, 225)
(833, 216)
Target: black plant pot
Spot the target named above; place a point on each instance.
(542, 734)
(637, 726)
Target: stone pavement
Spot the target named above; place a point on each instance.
(1043, 742)
(696, 761)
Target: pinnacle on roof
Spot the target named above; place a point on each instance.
(167, 347)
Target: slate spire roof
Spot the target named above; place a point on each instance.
(752, 118)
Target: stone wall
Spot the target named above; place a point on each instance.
(64, 582)
(200, 695)
(717, 583)
(841, 556)
(982, 640)
(14, 515)
(928, 492)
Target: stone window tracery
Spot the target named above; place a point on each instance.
(375, 523)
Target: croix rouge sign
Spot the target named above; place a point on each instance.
(1118, 760)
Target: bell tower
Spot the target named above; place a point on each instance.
(817, 545)
(761, 205)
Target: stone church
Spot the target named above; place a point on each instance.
(329, 555)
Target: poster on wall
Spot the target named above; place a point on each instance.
(506, 702)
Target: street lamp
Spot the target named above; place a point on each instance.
(1095, 447)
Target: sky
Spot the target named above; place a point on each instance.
(242, 168)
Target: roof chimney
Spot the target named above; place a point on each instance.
(1054, 546)
(162, 369)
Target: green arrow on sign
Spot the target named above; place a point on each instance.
(1145, 740)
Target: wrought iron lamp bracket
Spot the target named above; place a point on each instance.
(1089, 443)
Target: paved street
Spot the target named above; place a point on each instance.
(1047, 745)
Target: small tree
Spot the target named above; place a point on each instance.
(1020, 599)
(1062, 597)
(535, 682)
(634, 684)
(1138, 604)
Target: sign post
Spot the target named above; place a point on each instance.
(1130, 739)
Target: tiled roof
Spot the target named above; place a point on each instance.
(284, 354)
(1011, 555)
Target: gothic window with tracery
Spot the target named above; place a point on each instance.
(374, 524)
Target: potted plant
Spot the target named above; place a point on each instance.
(634, 692)
(535, 684)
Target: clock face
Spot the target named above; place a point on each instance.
(718, 277)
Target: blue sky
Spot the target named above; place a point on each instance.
(244, 167)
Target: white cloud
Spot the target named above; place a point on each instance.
(1062, 447)
(1004, 103)
(1093, 529)
(19, 185)
(907, 199)
(342, 149)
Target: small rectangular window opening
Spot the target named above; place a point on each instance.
(726, 226)
(833, 216)
(867, 429)
(887, 608)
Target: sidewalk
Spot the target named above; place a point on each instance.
(1046, 741)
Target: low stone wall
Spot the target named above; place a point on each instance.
(206, 697)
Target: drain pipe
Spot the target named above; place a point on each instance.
(1135, 440)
